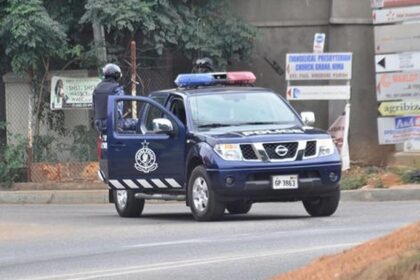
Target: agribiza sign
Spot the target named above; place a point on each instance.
(402, 85)
(398, 129)
(377, 4)
(72, 93)
(325, 66)
(397, 38)
(400, 108)
(396, 15)
(318, 92)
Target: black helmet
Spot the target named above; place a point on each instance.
(112, 71)
(203, 65)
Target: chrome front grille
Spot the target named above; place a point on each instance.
(281, 151)
(289, 149)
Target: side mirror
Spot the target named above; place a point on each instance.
(308, 118)
(162, 126)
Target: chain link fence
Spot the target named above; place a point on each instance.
(68, 154)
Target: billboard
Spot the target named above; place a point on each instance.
(325, 66)
(318, 92)
(400, 108)
(397, 62)
(397, 38)
(377, 4)
(396, 15)
(398, 129)
(72, 93)
(394, 86)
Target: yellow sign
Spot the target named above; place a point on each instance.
(400, 108)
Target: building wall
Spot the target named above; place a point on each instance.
(288, 26)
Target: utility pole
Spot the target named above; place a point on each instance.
(133, 77)
(99, 39)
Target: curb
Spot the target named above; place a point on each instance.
(101, 196)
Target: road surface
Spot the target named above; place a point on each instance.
(92, 242)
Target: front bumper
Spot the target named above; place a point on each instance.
(254, 183)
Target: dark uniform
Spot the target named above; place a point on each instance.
(109, 86)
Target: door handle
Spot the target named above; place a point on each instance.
(117, 145)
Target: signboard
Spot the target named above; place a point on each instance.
(400, 108)
(318, 93)
(396, 15)
(397, 62)
(326, 66)
(339, 132)
(397, 38)
(402, 85)
(376, 4)
(68, 93)
(398, 129)
(319, 42)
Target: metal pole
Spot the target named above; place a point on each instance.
(133, 77)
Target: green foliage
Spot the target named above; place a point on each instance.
(44, 149)
(30, 34)
(353, 181)
(84, 144)
(196, 28)
(12, 158)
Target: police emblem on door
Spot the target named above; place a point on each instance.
(145, 159)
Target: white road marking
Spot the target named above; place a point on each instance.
(131, 184)
(116, 184)
(156, 244)
(145, 184)
(173, 183)
(185, 263)
(159, 184)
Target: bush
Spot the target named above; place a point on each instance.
(12, 158)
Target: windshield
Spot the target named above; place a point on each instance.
(240, 109)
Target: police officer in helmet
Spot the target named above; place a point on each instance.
(109, 86)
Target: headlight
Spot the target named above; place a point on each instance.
(326, 147)
(229, 151)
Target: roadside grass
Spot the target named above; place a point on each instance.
(378, 177)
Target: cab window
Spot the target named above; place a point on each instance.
(178, 109)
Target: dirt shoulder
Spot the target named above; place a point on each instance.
(396, 256)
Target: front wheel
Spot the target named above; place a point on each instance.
(322, 206)
(202, 200)
(126, 204)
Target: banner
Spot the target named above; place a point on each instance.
(72, 93)
(318, 92)
(398, 129)
(339, 131)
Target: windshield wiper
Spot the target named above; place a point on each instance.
(214, 125)
(256, 123)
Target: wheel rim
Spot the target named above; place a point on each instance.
(122, 199)
(200, 194)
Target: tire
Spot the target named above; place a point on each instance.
(203, 202)
(239, 207)
(324, 206)
(132, 207)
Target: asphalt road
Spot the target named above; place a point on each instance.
(92, 242)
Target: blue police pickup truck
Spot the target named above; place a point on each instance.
(219, 144)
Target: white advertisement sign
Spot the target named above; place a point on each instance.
(326, 66)
(377, 4)
(72, 93)
(398, 129)
(397, 62)
(397, 38)
(396, 15)
(318, 92)
(339, 131)
(394, 86)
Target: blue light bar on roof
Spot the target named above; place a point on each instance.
(207, 79)
(192, 80)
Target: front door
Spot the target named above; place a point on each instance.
(139, 156)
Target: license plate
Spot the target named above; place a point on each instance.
(285, 182)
